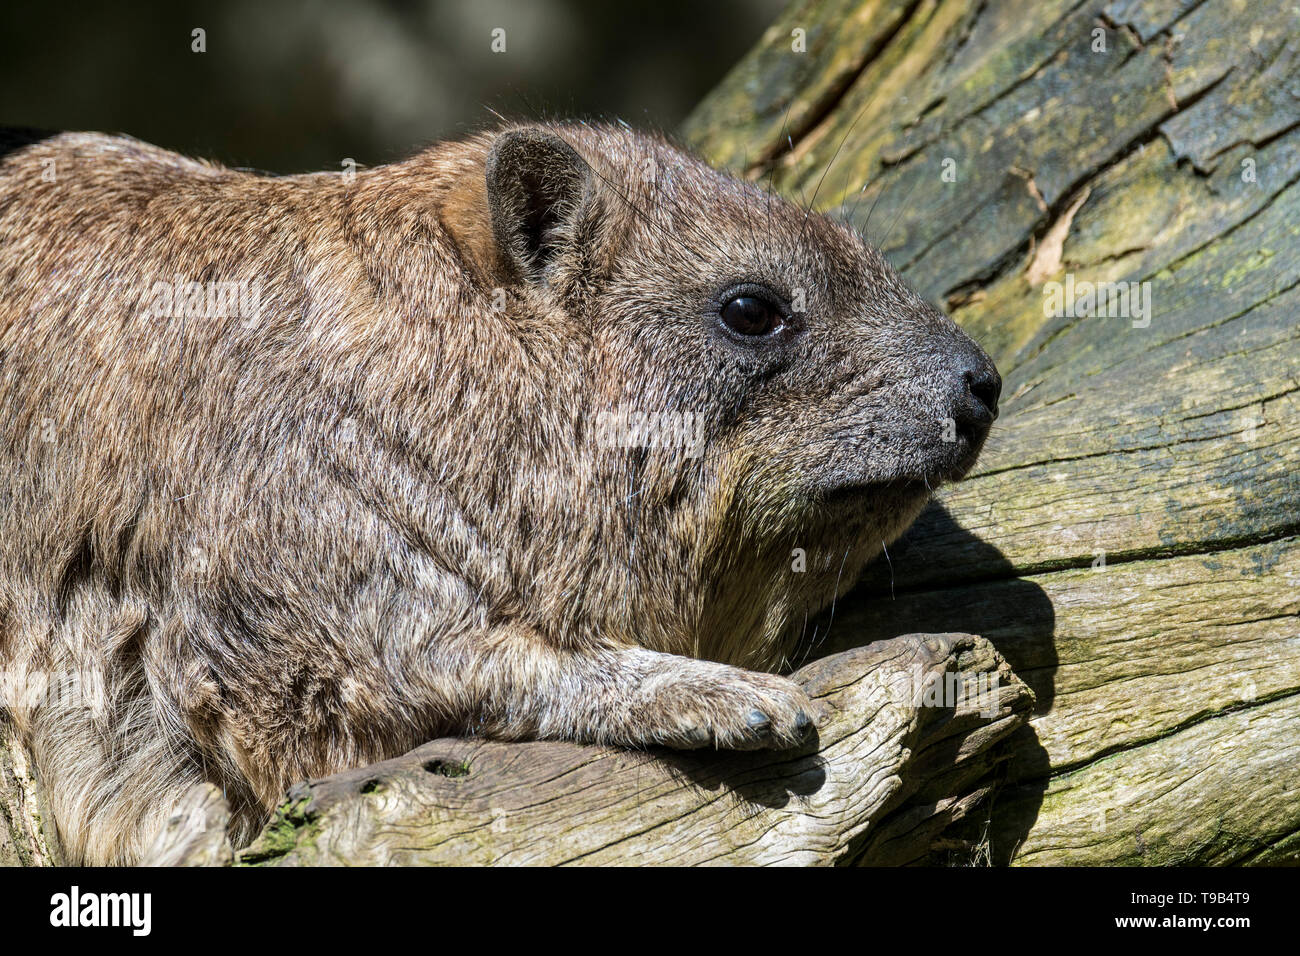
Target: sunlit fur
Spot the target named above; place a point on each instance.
(377, 513)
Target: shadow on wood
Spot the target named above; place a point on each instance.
(1012, 613)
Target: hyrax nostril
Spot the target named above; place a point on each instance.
(975, 402)
(985, 385)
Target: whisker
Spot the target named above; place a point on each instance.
(834, 156)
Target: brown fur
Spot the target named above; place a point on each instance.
(268, 550)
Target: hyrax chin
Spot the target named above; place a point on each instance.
(552, 433)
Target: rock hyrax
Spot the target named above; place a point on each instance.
(554, 432)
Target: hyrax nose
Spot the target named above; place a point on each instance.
(977, 400)
(985, 385)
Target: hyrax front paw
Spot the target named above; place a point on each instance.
(730, 709)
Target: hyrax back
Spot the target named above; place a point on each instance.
(516, 438)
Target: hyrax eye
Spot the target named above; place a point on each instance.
(751, 315)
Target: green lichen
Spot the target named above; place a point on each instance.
(292, 827)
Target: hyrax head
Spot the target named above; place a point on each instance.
(754, 367)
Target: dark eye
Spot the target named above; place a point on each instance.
(751, 315)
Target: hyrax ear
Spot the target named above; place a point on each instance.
(537, 187)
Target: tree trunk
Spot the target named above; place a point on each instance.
(1128, 541)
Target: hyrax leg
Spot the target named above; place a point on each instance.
(629, 696)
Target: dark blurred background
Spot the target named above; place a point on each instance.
(297, 86)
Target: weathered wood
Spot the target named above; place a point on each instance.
(195, 834)
(27, 834)
(1129, 540)
(909, 739)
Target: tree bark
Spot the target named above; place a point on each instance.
(27, 833)
(1128, 541)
